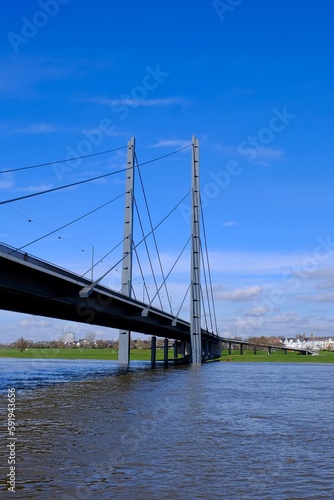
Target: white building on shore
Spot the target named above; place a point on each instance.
(313, 343)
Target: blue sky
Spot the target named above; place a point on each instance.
(252, 80)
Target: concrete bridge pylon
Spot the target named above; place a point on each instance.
(125, 335)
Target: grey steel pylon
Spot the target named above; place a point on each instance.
(125, 335)
(195, 291)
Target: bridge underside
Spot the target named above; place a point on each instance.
(30, 286)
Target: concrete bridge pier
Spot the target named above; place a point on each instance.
(166, 353)
(216, 349)
(153, 351)
(230, 348)
(183, 349)
(187, 350)
(210, 349)
(241, 349)
(205, 349)
(176, 349)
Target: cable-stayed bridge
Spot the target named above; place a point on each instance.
(31, 285)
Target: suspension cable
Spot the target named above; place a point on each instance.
(183, 249)
(147, 251)
(42, 224)
(142, 275)
(206, 287)
(154, 238)
(141, 241)
(205, 314)
(31, 195)
(70, 223)
(60, 161)
(102, 258)
(209, 270)
(184, 298)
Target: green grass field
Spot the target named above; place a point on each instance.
(78, 353)
(277, 356)
(145, 355)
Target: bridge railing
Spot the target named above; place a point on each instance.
(27, 257)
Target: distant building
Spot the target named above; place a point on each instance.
(68, 337)
(321, 343)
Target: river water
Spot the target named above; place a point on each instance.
(88, 430)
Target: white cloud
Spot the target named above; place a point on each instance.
(34, 322)
(230, 223)
(253, 155)
(131, 102)
(328, 297)
(6, 181)
(327, 284)
(32, 189)
(268, 153)
(285, 318)
(240, 294)
(34, 128)
(179, 143)
(19, 76)
(259, 263)
(258, 311)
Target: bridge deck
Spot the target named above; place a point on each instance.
(31, 285)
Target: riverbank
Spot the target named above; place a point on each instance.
(145, 355)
